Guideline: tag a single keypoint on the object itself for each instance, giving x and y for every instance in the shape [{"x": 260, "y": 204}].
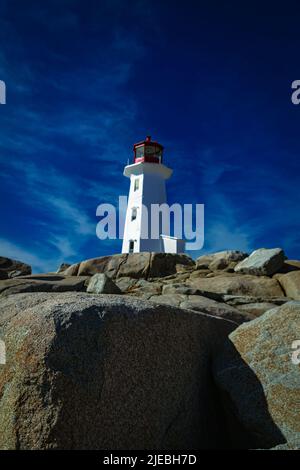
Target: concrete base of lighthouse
[{"x": 171, "y": 244}]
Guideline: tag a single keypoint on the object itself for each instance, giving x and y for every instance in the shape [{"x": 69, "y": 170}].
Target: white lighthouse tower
[{"x": 148, "y": 178}]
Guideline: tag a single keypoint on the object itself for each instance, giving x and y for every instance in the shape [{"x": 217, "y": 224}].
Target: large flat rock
[
  {"x": 43, "y": 283},
  {"x": 239, "y": 285},
  {"x": 108, "y": 372},
  {"x": 10, "y": 268},
  {"x": 290, "y": 283},
  {"x": 259, "y": 381},
  {"x": 262, "y": 262}
]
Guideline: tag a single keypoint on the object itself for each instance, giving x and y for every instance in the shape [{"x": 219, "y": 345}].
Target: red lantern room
[{"x": 147, "y": 151}]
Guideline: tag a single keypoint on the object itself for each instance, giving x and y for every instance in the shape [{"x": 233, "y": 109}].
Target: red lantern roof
[{"x": 147, "y": 151}]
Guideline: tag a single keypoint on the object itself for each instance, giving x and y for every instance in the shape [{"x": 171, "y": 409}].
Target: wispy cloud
[
  {"x": 63, "y": 219},
  {"x": 72, "y": 216},
  {"x": 37, "y": 262},
  {"x": 62, "y": 139},
  {"x": 63, "y": 245},
  {"x": 246, "y": 207}
]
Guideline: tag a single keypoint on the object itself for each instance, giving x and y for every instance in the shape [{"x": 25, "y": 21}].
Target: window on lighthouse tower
[
  {"x": 136, "y": 184},
  {"x": 133, "y": 213}
]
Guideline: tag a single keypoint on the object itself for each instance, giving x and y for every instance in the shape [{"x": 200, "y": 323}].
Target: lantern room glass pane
[
  {"x": 149, "y": 150},
  {"x": 139, "y": 152}
]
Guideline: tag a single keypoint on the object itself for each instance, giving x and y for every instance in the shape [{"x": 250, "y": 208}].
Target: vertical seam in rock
[
  {"x": 121, "y": 264},
  {"x": 148, "y": 269}
]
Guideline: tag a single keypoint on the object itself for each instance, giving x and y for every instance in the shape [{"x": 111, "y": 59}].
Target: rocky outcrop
[
  {"x": 289, "y": 265},
  {"x": 63, "y": 267},
  {"x": 204, "y": 305},
  {"x": 260, "y": 383},
  {"x": 290, "y": 284},
  {"x": 137, "y": 367},
  {"x": 105, "y": 264},
  {"x": 10, "y": 268},
  {"x": 165, "y": 264},
  {"x": 262, "y": 262},
  {"x": 71, "y": 270},
  {"x": 256, "y": 309},
  {"x": 145, "y": 289},
  {"x": 43, "y": 283},
  {"x": 238, "y": 300},
  {"x": 134, "y": 265},
  {"x": 102, "y": 284},
  {"x": 170, "y": 279},
  {"x": 239, "y": 285},
  {"x": 108, "y": 372},
  {"x": 220, "y": 260}
]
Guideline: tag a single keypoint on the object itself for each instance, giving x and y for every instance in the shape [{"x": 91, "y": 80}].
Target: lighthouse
[{"x": 148, "y": 177}]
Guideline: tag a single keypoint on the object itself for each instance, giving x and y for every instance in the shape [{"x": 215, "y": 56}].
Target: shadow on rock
[{"x": 249, "y": 422}]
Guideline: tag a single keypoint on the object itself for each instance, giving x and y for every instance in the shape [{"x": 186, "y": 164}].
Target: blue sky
[{"x": 85, "y": 80}]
